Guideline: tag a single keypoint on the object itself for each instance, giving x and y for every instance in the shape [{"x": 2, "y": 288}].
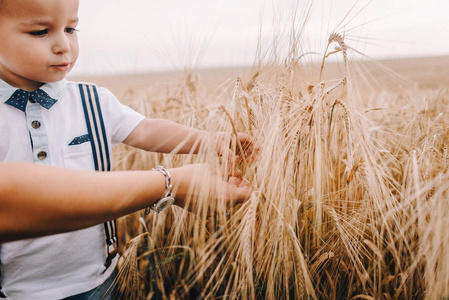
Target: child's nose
[{"x": 61, "y": 43}]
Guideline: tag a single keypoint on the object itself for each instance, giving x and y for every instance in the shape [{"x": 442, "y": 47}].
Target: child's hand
[
  {"x": 246, "y": 149},
  {"x": 195, "y": 183}
]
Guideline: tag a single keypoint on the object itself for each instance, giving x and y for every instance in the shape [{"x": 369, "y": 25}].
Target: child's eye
[
  {"x": 70, "y": 30},
  {"x": 39, "y": 32}
]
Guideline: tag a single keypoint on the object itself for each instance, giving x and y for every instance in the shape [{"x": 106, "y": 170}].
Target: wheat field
[{"x": 351, "y": 185}]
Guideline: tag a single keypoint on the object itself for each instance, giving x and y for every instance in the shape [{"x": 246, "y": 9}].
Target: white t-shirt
[{"x": 61, "y": 265}]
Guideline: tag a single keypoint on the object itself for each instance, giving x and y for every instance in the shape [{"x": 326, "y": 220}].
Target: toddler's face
[{"x": 38, "y": 41}]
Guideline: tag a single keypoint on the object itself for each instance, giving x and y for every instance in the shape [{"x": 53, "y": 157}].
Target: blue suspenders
[
  {"x": 100, "y": 151},
  {"x": 1, "y": 291}
]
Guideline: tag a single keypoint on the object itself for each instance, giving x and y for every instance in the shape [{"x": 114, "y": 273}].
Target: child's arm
[
  {"x": 166, "y": 136},
  {"x": 40, "y": 200},
  {"x": 160, "y": 135}
]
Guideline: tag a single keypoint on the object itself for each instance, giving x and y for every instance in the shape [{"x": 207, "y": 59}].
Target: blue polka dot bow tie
[{"x": 20, "y": 99}]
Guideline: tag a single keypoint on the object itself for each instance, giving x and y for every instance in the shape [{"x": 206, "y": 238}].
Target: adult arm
[{"x": 41, "y": 200}]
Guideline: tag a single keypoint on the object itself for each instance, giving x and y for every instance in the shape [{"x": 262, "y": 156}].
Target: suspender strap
[
  {"x": 95, "y": 127},
  {"x": 100, "y": 151},
  {"x": 1, "y": 292}
]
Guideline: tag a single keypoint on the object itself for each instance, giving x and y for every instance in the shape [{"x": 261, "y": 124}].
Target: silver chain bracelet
[{"x": 167, "y": 200}]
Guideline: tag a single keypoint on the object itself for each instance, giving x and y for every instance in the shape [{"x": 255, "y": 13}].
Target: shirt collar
[{"x": 53, "y": 89}]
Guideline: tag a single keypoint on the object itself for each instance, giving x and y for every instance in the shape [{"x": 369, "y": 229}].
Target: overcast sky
[{"x": 133, "y": 36}]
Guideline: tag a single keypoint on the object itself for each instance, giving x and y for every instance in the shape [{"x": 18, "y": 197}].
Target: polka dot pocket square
[{"x": 79, "y": 140}]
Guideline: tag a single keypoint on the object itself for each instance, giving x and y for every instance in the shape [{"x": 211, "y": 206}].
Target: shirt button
[
  {"x": 36, "y": 124},
  {"x": 32, "y": 100},
  {"x": 42, "y": 155}
]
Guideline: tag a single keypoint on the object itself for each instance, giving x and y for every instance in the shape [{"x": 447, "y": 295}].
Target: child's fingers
[
  {"x": 239, "y": 181},
  {"x": 249, "y": 145}
]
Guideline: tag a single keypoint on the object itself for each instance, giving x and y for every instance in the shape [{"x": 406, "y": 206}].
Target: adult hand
[{"x": 197, "y": 187}]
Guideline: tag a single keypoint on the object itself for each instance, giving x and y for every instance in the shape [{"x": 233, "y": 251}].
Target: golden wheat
[{"x": 350, "y": 192}]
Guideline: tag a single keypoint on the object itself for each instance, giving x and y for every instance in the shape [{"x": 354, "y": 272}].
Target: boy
[{"x": 42, "y": 121}]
